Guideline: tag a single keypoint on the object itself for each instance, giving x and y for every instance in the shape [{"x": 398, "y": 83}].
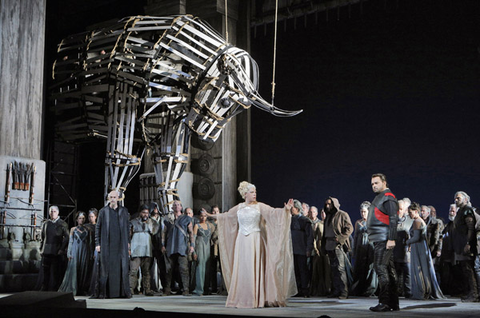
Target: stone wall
[{"x": 22, "y": 42}]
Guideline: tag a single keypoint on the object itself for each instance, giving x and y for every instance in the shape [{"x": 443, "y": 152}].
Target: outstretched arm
[
  {"x": 289, "y": 204},
  {"x": 209, "y": 215}
]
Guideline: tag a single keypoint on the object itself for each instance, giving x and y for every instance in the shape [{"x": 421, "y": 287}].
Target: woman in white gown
[{"x": 256, "y": 252}]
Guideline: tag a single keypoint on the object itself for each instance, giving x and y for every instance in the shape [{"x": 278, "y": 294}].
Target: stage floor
[{"x": 214, "y": 305}]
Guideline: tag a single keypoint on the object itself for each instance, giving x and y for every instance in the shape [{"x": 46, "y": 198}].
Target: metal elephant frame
[{"x": 149, "y": 82}]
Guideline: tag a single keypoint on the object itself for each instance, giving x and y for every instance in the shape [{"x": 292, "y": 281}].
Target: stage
[{"x": 214, "y": 306}]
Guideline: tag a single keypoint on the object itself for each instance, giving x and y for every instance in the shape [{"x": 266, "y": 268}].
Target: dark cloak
[
  {"x": 366, "y": 280},
  {"x": 112, "y": 235}
]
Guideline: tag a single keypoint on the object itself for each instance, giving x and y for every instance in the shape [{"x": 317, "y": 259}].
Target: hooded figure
[
  {"x": 341, "y": 224},
  {"x": 336, "y": 242}
]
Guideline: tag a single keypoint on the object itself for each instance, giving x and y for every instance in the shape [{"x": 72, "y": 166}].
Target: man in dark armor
[{"x": 382, "y": 232}]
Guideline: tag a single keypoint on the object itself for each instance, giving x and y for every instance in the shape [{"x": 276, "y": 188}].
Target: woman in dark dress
[
  {"x": 365, "y": 278},
  {"x": 77, "y": 278},
  {"x": 93, "y": 264},
  {"x": 423, "y": 278}
]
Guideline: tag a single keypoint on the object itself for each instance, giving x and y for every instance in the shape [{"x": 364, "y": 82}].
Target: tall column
[
  {"x": 22, "y": 44},
  {"x": 22, "y": 172}
]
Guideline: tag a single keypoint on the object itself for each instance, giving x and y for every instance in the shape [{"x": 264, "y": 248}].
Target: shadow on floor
[{"x": 427, "y": 306}]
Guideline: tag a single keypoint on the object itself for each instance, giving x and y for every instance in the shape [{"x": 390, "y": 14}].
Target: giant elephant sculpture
[{"x": 150, "y": 82}]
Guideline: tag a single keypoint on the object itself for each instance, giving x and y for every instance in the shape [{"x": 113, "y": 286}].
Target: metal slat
[
  {"x": 170, "y": 49},
  {"x": 144, "y": 66}
]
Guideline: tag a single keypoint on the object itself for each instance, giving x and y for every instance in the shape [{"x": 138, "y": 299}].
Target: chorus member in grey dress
[
  {"x": 77, "y": 279},
  {"x": 422, "y": 273},
  {"x": 203, "y": 231}
]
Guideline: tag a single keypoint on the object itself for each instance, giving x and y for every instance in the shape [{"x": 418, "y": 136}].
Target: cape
[
  {"x": 275, "y": 231},
  {"x": 102, "y": 237}
]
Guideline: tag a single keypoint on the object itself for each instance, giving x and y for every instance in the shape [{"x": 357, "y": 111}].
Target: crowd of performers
[
  {"x": 110, "y": 253},
  {"x": 167, "y": 254}
]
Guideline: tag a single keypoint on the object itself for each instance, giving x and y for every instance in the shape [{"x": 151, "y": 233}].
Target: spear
[
  {"x": 28, "y": 172},
  {"x": 32, "y": 183},
  {"x": 3, "y": 220},
  {"x": 22, "y": 176},
  {"x": 8, "y": 185},
  {"x": 15, "y": 176}
]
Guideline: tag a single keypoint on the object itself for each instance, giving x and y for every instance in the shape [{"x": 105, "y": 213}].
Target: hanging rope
[
  {"x": 226, "y": 20},
  {"x": 274, "y": 52}
]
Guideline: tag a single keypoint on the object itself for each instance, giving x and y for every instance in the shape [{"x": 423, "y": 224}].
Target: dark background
[{"x": 393, "y": 90}]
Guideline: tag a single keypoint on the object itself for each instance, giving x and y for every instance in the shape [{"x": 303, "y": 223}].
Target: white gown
[{"x": 256, "y": 255}]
